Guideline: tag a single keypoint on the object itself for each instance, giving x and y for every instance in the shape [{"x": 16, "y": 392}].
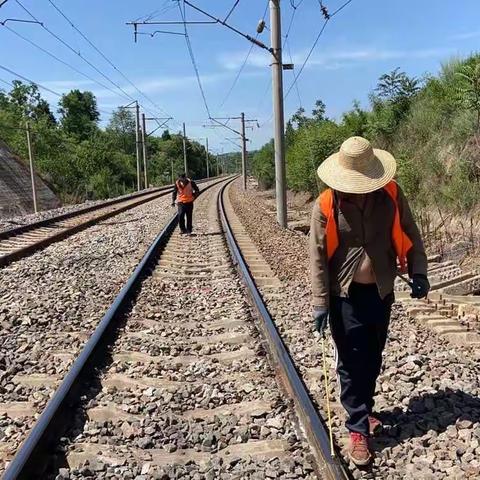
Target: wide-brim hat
[{"x": 358, "y": 167}]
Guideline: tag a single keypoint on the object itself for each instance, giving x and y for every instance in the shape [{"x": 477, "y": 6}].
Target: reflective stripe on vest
[
  {"x": 401, "y": 242},
  {"x": 185, "y": 194}
]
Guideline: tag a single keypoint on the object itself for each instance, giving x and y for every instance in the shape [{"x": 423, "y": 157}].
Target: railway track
[
  {"x": 175, "y": 383},
  {"x": 428, "y": 390},
  {"x": 23, "y": 240},
  {"x": 184, "y": 386}
]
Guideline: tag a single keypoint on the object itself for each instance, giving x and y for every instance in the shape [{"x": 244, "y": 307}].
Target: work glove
[
  {"x": 420, "y": 286},
  {"x": 320, "y": 317}
]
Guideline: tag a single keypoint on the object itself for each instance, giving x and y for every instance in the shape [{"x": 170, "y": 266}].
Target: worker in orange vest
[
  {"x": 362, "y": 231},
  {"x": 185, "y": 192}
]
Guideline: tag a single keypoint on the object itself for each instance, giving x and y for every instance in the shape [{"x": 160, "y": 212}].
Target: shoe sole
[{"x": 360, "y": 463}]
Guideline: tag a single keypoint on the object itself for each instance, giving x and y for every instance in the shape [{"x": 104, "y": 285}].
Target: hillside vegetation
[
  {"x": 431, "y": 125},
  {"x": 81, "y": 160}
]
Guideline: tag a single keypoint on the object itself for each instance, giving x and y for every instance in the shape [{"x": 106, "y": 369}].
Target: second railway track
[
  {"x": 21, "y": 241},
  {"x": 185, "y": 389}
]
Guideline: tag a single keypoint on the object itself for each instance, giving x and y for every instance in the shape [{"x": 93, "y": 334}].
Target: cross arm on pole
[
  {"x": 224, "y": 125},
  {"x": 161, "y": 31},
  {"x": 225, "y": 24},
  {"x": 18, "y": 20},
  {"x": 160, "y": 125}
]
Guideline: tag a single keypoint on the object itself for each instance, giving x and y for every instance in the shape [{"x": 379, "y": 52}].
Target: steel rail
[
  {"x": 65, "y": 216},
  {"x": 314, "y": 427},
  {"x": 52, "y": 423},
  {"x": 23, "y": 251}
]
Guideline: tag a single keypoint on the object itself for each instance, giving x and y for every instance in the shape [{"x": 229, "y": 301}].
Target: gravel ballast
[
  {"x": 51, "y": 301},
  {"x": 189, "y": 393},
  {"x": 428, "y": 392}
]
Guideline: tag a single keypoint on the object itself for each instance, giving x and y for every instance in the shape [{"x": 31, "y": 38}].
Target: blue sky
[{"x": 368, "y": 38}]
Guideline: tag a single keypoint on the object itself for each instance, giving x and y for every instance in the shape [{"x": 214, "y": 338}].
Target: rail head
[
  {"x": 74, "y": 213},
  {"x": 51, "y": 424},
  {"x": 314, "y": 428}
]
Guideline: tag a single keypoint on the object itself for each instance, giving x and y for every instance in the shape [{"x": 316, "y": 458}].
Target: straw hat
[{"x": 357, "y": 167}]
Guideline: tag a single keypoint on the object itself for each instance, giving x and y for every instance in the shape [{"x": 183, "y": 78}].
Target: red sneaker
[
  {"x": 359, "y": 452},
  {"x": 375, "y": 426}
]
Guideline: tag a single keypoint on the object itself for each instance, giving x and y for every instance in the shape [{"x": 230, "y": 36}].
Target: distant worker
[
  {"x": 361, "y": 227},
  {"x": 185, "y": 191}
]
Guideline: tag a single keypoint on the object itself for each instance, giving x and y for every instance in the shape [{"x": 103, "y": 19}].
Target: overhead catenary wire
[
  {"x": 50, "y": 54},
  {"x": 192, "y": 58},
  {"x": 123, "y": 93},
  {"x": 244, "y": 64},
  {"x": 285, "y": 43},
  {"x": 232, "y": 10},
  {"x": 328, "y": 17},
  {"x": 167, "y": 6},
  {"x": 15, "y": 74},
  {"x": 10, "y": 84},
  {"x": 100, "y": 52},
  {"x": 39, "y": 85}
]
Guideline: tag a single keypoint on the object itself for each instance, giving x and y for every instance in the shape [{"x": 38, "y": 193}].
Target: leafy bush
[
  {"x": 81, "y": 160},
  {"x": 430, "y": 125}
]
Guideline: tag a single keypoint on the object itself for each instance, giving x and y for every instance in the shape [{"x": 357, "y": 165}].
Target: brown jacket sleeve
[
  {"x": 318, "y": 259},
  {"x": 417, "y": 258}
]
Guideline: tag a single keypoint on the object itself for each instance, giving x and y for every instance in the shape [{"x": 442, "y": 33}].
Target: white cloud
[
  {"x": 149, "y": 86},
  {"x": 465, "y": 35},
  {"x": 334, "y": 59},
  {"x": 67, "y": 84}
]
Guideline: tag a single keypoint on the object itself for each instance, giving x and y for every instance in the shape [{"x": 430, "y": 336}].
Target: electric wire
[
  {"x": 285, "y": 43},
  {"x": 31, "y": 42},
  {"x": 15, "y": 74},
  {"x": 123, "y": 94},
  {"x": 232, "y": 10},
  {"x": 192, "y": 58},
  {"x": 107, "y": 59},
  {"x": 244, "y": 64},
  {"x": 320, "y": 33},
  {"x": 10, "y": 84},
  {"x": 43, "y": 87},
  {"x": 322, "y": 29}
]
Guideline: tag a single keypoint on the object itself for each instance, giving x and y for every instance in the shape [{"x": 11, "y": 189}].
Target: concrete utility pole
[
  {"x": 244, "y": 153},
  {"x": 277, "y": 87},
  {"x": 32, "y": 172},
  {"x": 144, "y": 148},
  {"x": 206, "y": 148},
  {"x": 185, "y": 150},
  {"x": 137, "y": 140}
]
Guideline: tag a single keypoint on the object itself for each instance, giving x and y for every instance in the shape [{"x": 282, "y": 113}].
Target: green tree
[
  {"x": 121, "y": 128},
  {"x": 263, "y": 165},
  {"x": 79, "y": 113},
  {"x": 319, "y": 111},
  {"x": 469, "y": 89},
  {"x": 166, "y": 135},
  {"x": 355, "y": 121}
]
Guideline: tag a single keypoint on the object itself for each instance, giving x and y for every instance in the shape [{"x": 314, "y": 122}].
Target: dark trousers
[
  {"x": 359, "y": 325},
  {"x": 185, "y": 210}
]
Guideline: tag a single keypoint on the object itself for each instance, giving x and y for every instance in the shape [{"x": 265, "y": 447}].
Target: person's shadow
[{"x": 431, "y": 411}]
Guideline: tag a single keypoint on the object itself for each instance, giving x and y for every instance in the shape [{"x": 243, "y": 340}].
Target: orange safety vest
[
  {"x": 185, "y": 193},
  {"x": 400, "y": 240}
]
